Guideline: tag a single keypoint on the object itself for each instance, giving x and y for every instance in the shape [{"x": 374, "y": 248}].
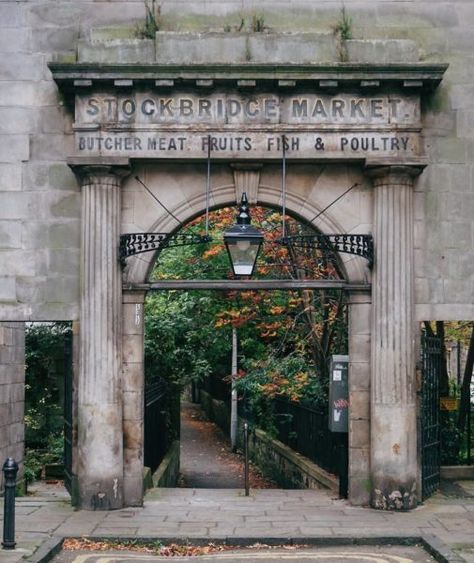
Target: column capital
[
  {"x": 394, "y": 174},
  {"x": 98, "y": 170}
]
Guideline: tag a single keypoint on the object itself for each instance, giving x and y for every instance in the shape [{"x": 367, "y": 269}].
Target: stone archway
[
  {"x": 391, "y": 316},
  {"x": 334, "y": 220},
  {"x": 375, "y": 132}
]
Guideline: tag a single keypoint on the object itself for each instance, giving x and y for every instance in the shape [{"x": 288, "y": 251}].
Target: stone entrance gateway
[{"x": 341, "y": 124}]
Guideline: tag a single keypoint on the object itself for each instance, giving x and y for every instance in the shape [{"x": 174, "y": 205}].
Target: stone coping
[
  {"x": 457, "y": 472},
  {"x": 299, "y": 461}
]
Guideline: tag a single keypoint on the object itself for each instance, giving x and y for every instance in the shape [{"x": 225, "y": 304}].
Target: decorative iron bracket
[
  {"x": 137, "y": 243},
  {"x": 360, "y": 245}
]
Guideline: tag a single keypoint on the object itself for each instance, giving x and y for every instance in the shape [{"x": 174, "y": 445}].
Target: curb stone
[
  {"x": 46, "y": 551},
  {"x": 432, "y": 544}
]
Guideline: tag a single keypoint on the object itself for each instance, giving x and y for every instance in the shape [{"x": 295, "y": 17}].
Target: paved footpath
[
  {"x": 212, "y": 514},
  {"x": 206, "y": 459}
]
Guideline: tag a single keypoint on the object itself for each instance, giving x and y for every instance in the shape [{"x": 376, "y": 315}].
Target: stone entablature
[{"x": 250, "y": 111}]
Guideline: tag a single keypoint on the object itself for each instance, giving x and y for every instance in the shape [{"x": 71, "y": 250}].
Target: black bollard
[
  {"x": 246, "y": 458},
  {"x": 10, "y": 470}
]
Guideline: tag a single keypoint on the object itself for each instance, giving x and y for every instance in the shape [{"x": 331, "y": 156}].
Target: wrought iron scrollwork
[
  {"x": 360, "y": 245},
  {"x": 137, "y": 243}
]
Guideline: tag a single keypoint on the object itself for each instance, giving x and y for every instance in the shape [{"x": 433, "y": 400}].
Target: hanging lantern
[{"x": 243, "y": 242}]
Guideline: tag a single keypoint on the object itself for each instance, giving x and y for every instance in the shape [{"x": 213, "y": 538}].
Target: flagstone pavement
[{"x": 217, "y": 514}]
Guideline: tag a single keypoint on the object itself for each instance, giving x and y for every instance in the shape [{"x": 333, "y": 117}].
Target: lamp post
[{"x": 243, "y": 242}]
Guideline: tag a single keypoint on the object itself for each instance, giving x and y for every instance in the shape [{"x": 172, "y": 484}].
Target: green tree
[
  {"x": 277, "y": 330},
  {"x": 44, "y": 372}
]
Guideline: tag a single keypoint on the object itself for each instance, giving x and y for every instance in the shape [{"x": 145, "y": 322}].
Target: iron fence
[
  {"x": 431, "y": 359},
  {"x": 457, "y": 446},
  {"x": 306, "y": 431},
  {"x": 157, "y": 439},
  {"x": 217, "y": 386}
]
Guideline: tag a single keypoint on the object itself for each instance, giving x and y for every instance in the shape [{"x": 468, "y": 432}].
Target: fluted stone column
[
  {"x": 100, "y": 441},
  {"x": 393, "y": 399},
  {"x": 133, "y": 383}
]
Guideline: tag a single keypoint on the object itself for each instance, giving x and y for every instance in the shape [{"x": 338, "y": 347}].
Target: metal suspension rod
[
  {"x": 283, "y": 187},
  {"x": 208, "y": 182},
  {"x": 335, "y": 201},
  {"x": 157, "y": 200}
]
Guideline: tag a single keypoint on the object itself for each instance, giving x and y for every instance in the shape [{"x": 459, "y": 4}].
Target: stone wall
[
  {"x": 288, "y": 468},
  {"x": 12, "y": 392},
  {"x": 39, "y": 196}
]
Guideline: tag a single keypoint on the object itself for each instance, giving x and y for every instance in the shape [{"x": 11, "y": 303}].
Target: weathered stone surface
[
  {"x": 100, "y": 432},
  {"x": 123, "y": 50},
  {"x": 298, "y": 48},
  {"x": 381, "y": 51},
  {"x": 185, "y": 48},
  {"x": 13, "y": 40},
  {"x": 10, "y": 177},
  {"x": 10, "y": 234},
  {"x": 14, "y": 93},
  {"x": 24, "y": 67},
  {"x": 7, "y": 289},
  {"x": 393, "y": 402},
  {"x": 47, "y": 39},
  {"x": 11, "y": 14},
  {"x": 52, "y": 146},
  {"x": 133, "y": 378},
  {"x": 14, "y": 148},
  {"x": 12, "y": 385}
]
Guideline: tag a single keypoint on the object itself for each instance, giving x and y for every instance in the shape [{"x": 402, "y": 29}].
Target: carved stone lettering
[
  {"x": 254, "y": 126},
  {"x": 221, "y": 109},
  {"x": 252, "y": 145}
]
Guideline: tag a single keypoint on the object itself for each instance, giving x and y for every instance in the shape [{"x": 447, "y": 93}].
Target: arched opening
[
  {"x": 310, "y": 189},
  {"x": 286, "y": 339}
]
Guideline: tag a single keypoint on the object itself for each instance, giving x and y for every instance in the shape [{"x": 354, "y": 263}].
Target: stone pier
[
  {"x": 133, "y": 385},
  {"x": 359, "y": 396},
  {"x": 393, "y": 390},
  {"x": 100, "y": 434}
]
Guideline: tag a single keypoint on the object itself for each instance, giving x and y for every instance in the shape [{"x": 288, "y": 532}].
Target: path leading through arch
[{"x": 207, "y": 461}]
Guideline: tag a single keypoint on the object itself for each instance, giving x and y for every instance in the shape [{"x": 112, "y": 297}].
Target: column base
[
  {"x": 102, "y": 495},
  {"x": 391, "y": 495}
]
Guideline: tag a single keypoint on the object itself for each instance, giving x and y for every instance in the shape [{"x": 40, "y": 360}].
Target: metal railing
[
  {"x": 156, "y": 423},
  {"x": 306, "y": 431}
]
